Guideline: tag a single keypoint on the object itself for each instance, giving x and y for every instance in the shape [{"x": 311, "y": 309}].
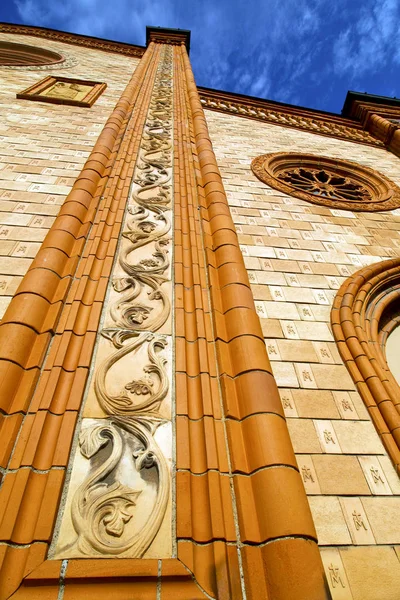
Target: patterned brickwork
[
  {"x": 297, "y": 256},
  {"x": 44, "y": 147}
]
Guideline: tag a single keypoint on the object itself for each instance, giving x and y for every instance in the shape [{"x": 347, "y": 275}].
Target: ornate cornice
[
  {"x": 172, "y": 37},
  {"x": 286, "y": 116},
  {"x": 74, "y": 38}
]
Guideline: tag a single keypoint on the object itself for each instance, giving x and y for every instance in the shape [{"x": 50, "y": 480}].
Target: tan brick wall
[
  {"x": 43, "y": 147},
  {"x": 297, "y": 256}
]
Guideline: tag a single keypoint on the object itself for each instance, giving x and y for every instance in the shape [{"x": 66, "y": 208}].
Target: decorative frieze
[
  {"x": 263, "y": 110},
  {"x": 119, "y": 496}
]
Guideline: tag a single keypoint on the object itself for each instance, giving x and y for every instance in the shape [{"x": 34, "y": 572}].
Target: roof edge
[
  {"x": 282, "y": 106},
  {"x": 323, "y": 113},
  {"x": 73, "y": 38},
  {"x": 366, "y": 98}
]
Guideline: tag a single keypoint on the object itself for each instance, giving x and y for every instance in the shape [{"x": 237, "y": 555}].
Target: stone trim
[
  {"x": 383, "y": 194},
  {"x": 361, "y": 319},
  {"x": 75, "y": 39},
  {"x": 34, "y": 92},
  {"x": 171, "y": 37},
  {"x": 286, "y": 116}
]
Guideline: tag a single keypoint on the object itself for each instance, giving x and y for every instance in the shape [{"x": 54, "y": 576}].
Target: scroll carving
[
  {"x": 120, "y": 504},
  {"x": 264, "y": 112},
  {"x": 149, "y": 223},
  {"x": 102, "y": 507}
]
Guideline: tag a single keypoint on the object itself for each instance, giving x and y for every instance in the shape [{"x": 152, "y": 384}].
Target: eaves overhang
[{"x": 365, "y": 98}]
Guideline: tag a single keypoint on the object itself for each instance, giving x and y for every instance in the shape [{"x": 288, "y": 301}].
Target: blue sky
[{"x": 304, "y": 52}]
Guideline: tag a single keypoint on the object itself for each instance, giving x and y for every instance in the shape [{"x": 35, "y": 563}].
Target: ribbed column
[
  {"x": 60, "y": 301},
  {"x": 275, "y": 536}
]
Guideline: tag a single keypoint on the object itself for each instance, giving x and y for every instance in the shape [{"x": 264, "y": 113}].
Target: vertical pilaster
[
  {"x": 274, "y": 534},
  {"x": 60, "y": 301},
  {"x": 119, "y": 494}
]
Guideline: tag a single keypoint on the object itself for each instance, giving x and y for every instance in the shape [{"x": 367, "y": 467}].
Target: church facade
[{"x": 198, "y": 342}]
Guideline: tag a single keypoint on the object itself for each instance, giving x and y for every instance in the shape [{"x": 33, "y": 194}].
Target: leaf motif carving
[
  {"x": 92, "y": 439},
  {"x": 118, "y": 511}
]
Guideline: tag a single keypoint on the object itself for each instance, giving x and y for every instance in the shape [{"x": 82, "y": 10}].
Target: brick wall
[
  {"x": 43, "y": 147},
  {"x": 297, "y": 256}
]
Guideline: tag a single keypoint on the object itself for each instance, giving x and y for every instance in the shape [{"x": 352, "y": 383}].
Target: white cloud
[{"x": 291, "y": 50}]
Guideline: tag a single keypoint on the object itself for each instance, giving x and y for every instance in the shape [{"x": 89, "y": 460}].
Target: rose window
[
  {"x": 321, "y": 183},
  {"x": 329, "y": 182}
]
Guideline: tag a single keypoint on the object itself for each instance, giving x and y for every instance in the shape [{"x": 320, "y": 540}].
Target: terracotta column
[
  {"x": 59, "y": 301},
  {"x": 276, "y": 537}
]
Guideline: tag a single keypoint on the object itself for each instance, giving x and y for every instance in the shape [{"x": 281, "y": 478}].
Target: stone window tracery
[
  {"x": 18, "y": 55},
  {"x": 14, "y": 56},
  {"x": 329, "y": 182}
]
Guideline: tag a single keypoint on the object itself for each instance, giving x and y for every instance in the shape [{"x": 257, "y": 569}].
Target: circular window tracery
[
  {"x": 328, "y": 182},
  {"x": 15, "y": 56},
  {"x": 18, "y": 55}
]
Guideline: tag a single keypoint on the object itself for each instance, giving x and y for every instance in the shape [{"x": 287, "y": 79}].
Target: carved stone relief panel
[
  {"x": 64, "y": 90},
  {"x": 118, "y": 502}
]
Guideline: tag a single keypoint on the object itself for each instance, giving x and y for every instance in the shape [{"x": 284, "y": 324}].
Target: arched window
[{"x": 365, "y": 312}]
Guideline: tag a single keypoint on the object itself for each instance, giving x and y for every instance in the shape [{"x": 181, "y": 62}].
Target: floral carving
[
  {"x": 122, "y": 403},
  {"x": 102, "y": 506},
  {"x": 328, "y": 182},
  {"x": 149, "y": 223},
  {"x": 105, "y": 506}
]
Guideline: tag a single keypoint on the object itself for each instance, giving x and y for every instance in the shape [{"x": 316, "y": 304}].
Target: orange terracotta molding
[
  {"x": 275, "y": 533},
  {"x": 74, "y": 38},
  {"x": 381, "y": 120},
  {"x": 31, "y": 318},
  {"x": 60, "y": 299},
  {"x": 205, "y": 526},
  {"x": 386, "y": 130},
  {"x": 363, "y": 314},
  {"x": 43, "y": 442}
]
